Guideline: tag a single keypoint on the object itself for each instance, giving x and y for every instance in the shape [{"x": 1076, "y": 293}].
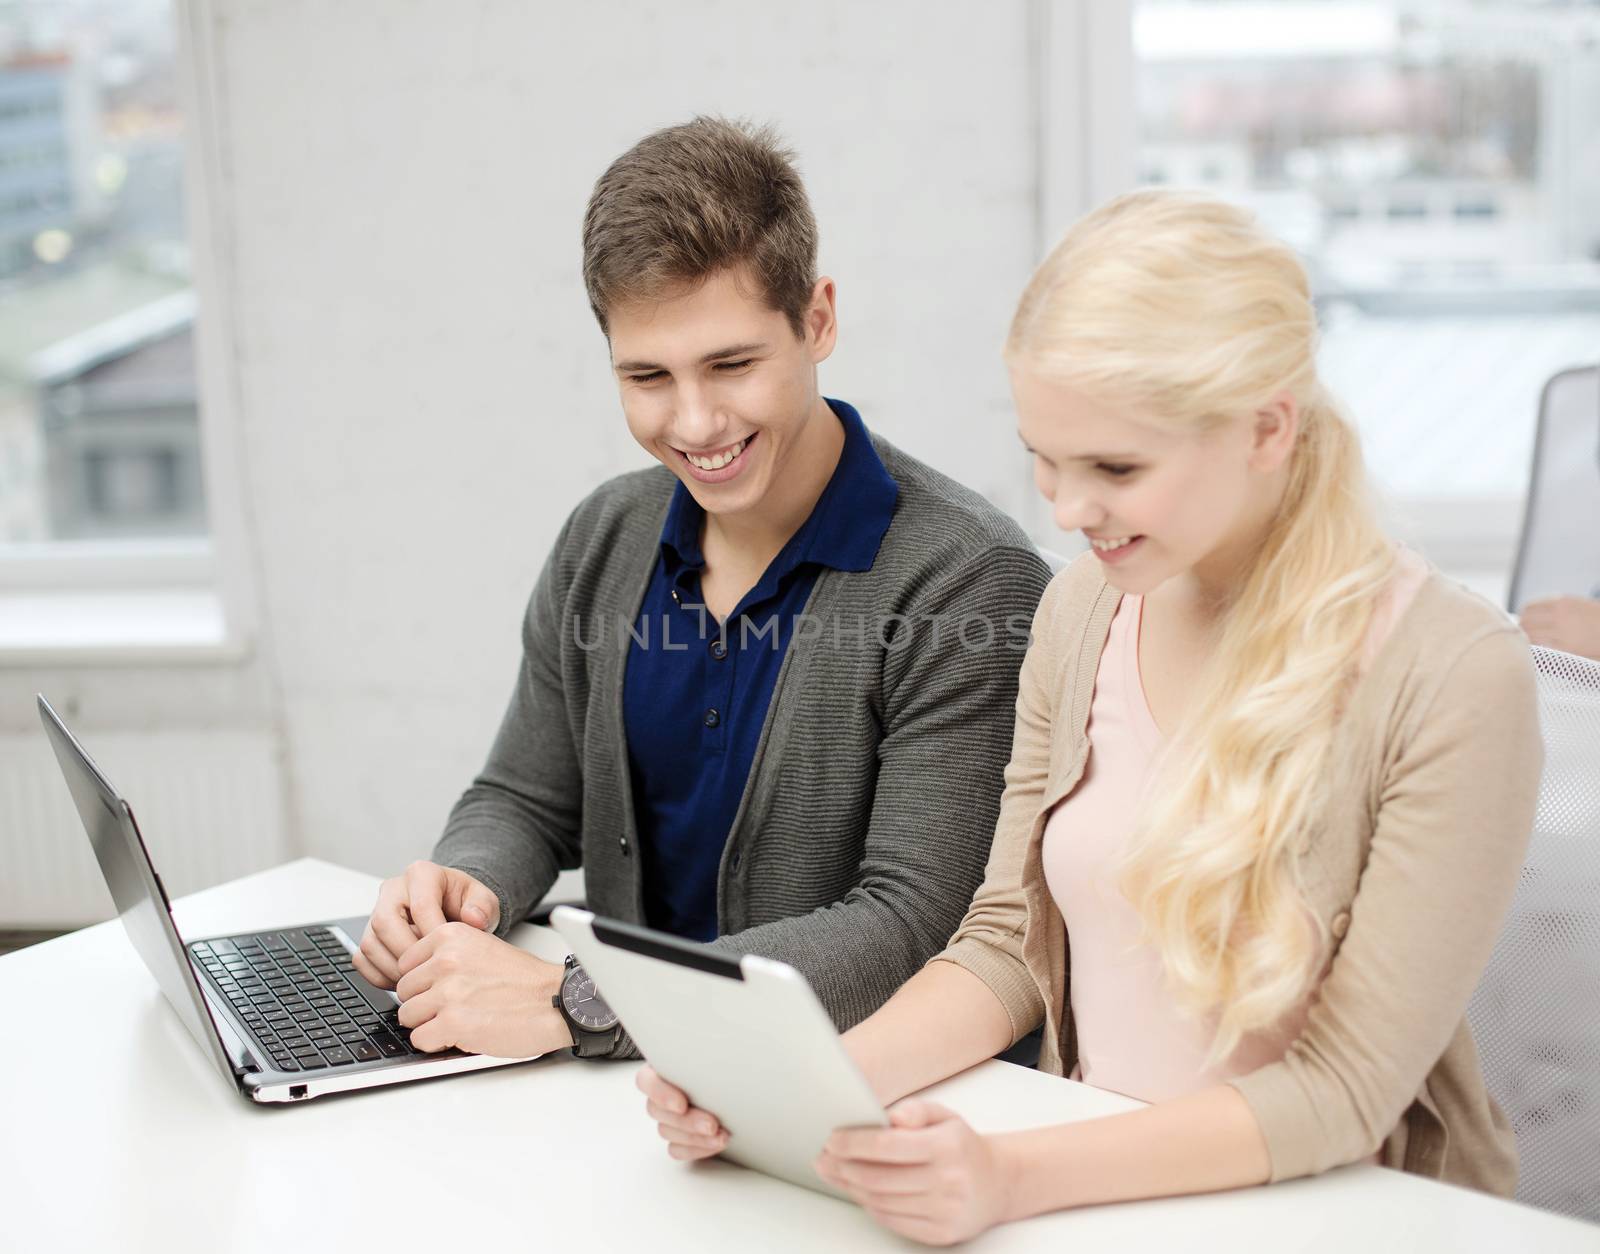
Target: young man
[{"x": 767, "y": 687}]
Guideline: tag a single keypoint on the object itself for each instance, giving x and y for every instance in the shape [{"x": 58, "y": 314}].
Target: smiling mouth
[
  {"x": 1111, "y": 546},
  {"x": 718, "y": 459}
]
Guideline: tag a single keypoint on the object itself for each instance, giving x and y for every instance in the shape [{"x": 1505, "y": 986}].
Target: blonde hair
[{"x": 1185, "y": 307}]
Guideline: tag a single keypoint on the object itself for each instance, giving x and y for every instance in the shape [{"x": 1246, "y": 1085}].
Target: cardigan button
[{"x": 1340, "y": 924}]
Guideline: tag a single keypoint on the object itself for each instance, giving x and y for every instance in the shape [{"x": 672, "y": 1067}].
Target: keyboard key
[
  {"x": 365, "y": 1052},
  {"x": 338, "y": 1055},
  {"x": 285, "y": 1062},
  {"x": 388, "y": 1046}
]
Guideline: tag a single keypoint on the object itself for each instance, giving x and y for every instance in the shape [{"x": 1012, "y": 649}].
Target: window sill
[{"x": 114, "y": 627}]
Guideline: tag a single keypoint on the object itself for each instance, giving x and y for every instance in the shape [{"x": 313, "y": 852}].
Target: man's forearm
[{"x": 942, "y": 1021}]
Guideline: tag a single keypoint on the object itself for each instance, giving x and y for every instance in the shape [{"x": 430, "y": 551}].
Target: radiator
[{"x": 210, "y": 805}]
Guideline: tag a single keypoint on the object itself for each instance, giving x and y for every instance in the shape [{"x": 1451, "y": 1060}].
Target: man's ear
[
  {"x": 821, "y": 320},
  {"x": 1277, "y": 425}
]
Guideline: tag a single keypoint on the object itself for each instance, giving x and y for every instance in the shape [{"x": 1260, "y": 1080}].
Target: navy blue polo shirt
[{"x": 695, "y": 694}]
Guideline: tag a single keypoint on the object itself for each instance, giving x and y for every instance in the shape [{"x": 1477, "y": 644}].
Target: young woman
[{"x": 1271, "y": 784}]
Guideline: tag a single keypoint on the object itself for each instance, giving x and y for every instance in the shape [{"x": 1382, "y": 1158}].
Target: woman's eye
[{"x": 1117, "y": 471}]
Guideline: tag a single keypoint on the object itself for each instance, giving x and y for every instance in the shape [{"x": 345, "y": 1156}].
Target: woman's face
[{"x": 1154, "y": 503}]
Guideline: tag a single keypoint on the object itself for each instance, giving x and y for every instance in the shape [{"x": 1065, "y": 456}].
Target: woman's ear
[{"x": 1277, "y": 425}]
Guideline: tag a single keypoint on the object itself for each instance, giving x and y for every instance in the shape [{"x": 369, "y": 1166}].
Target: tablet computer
[{"x": 744, "y": 1037}]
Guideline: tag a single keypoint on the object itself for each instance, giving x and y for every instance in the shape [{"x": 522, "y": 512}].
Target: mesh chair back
[
  {"x": 1559, "y": 553},
  {"x": 1536, "y": 1013}
]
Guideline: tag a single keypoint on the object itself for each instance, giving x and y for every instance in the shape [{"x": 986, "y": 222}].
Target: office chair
[
  {"x": 1559, "y": 552},
  {"x": 1536, "y": 1012}
]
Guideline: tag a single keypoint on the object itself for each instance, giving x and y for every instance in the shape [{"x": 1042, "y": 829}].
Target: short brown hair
[{"x": 689, "y": 201}]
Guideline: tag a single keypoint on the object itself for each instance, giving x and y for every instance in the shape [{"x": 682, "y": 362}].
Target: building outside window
[
  {"x": 1437, "y": 164},
  {"x": 99, "y": 431}
]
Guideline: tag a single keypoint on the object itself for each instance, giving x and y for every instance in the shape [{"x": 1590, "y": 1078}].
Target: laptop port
[{"x": 296, "y": 1092}]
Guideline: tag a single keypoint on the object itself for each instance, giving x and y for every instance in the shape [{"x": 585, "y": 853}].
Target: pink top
[{"x": 1132, "y": 1037}]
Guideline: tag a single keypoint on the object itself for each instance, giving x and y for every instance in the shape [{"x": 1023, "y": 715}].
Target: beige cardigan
[{"x": 1412, "y": 875}]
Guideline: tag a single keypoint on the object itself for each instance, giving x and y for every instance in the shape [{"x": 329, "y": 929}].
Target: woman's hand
[
  {"x": 689, "y": 1132},
  {"x": 1571, "y": 624},
  {"x": 928, "y": 1176}
]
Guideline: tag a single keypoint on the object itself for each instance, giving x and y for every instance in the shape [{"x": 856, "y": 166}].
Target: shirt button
[
  {"x": 719, "y": 648},
  {"x": 1340, "y": 924},
  {"x": 622, "y": 843},
  {"x": 712, "y": 718},
  {"x": 735, "y": 860},
  {"x": 676, "y": 599}
]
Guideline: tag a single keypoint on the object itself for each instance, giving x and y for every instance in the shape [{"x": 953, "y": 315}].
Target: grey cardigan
[{"x": 871, "y": 803}]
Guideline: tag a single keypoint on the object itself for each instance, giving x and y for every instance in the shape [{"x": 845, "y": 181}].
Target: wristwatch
[{"x": 593, "y": 1024}]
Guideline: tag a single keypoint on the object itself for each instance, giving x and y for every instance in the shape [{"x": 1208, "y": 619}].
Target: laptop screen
[{"x": 140, "y": 898}]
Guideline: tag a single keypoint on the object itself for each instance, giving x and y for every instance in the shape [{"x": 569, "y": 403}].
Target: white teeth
[
  {"x": 1105, "y": 546},
  {"x": 721, "y": 459}
]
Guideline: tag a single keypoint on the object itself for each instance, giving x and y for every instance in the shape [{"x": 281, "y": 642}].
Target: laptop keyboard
[{"x": 292, "y": 990}]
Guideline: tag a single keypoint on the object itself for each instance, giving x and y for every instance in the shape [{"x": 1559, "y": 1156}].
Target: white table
[{"x": 116, "y": 1134}]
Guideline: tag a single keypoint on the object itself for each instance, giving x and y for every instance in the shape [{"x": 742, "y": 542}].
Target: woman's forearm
[
  {"x": 943, "y": 1020},
  {"x": 1201, "y": 1143}
]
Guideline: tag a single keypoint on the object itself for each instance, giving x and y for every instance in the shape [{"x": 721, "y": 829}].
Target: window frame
[{"x": 219, "y": 565}]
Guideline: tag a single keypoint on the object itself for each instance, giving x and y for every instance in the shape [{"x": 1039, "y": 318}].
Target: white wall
[{"x": 421, "y": 393}]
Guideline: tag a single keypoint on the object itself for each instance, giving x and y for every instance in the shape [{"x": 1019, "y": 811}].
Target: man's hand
[
  {"x": 464, "y": 988},
  {"x": 413, "y": 904},
  {"x": 1571, "y": 624}
]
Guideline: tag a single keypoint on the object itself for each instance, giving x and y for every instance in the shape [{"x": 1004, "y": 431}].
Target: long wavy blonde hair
[{"x": 1185, "y": 307}]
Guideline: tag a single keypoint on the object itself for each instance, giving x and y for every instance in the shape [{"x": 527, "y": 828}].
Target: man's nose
[{"x": 697, "y": 423}]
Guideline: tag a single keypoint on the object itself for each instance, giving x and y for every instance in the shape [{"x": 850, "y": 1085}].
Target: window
[
  {"x": 98, "y": 412},
  {"x": 1435, "y": 162}
]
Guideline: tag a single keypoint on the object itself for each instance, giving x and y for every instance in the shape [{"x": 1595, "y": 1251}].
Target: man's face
[{"x": 718, "y": 387}]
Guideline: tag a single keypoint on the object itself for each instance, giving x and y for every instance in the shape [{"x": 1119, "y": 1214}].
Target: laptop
[{"x": 281, "y": 1014}]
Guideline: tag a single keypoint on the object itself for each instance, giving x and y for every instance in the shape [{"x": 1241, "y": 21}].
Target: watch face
[{"x": 587, "y": 1008}]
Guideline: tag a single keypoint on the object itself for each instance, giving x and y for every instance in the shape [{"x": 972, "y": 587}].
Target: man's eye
[
  {"x": 651, "y": 377},
  {"x": 1117, "y": 470},
  {"x": 733, "y": 365}
]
